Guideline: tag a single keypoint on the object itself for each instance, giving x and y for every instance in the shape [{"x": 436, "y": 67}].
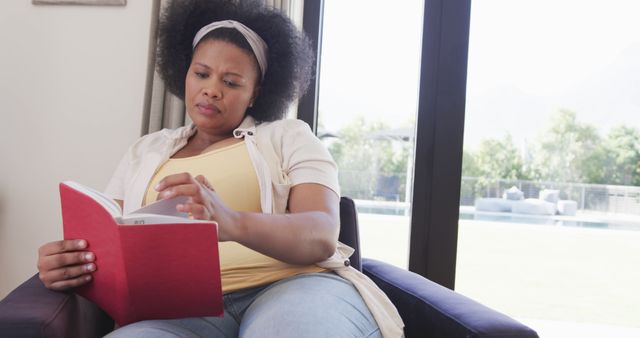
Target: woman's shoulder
[{"x": 283, "y": 127}]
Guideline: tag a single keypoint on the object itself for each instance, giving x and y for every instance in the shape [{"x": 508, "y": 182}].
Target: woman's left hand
[{"x": 203, "y": 202}]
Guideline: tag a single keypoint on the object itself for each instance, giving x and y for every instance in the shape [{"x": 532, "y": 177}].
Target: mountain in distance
[{"x": 607, "y": 97}]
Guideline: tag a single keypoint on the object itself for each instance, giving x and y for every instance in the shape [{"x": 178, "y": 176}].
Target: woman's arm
[{"x": 308, "y": 234}]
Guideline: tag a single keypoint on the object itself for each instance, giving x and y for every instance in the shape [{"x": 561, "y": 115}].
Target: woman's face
[{"x": 221, "y": 83}]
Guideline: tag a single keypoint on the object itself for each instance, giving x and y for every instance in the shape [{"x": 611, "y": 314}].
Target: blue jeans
[{"x": 310, "y": 305}]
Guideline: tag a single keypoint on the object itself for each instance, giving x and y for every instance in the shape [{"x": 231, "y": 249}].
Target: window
[
  {"x": 438, "y": 151},
  {"x": 550, "y": 207},
  {"x": 368, "y": 94}
]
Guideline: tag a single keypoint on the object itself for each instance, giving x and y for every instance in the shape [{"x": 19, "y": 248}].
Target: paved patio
[{"x": 556, "y": 329}]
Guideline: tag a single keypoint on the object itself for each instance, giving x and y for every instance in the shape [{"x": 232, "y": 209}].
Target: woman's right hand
[{"x": 65, "y": 264}]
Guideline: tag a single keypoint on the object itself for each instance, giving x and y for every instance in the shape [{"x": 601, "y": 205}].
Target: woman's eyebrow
[
  {"x": 202, "y": 65},
  {"x": 232, "y": 73}
]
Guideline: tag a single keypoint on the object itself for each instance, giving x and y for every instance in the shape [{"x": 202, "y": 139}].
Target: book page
[
  {"x": 139, "y": 219},
  {"x": 164, "y": 207},
  {"x": 159, "y": 212},
  {"x": 107, "y": 203}
]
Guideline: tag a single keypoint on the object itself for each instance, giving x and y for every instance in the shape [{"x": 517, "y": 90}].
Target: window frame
[{"x": 439, "y": 131}]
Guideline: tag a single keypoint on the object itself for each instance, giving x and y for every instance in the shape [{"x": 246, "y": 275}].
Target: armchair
[{"x": 428, "y": 309}]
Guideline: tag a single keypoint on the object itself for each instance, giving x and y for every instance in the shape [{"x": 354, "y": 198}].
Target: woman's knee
[
  {"x": 183, "y": 328},
  {"x": 314, "y": 305}
]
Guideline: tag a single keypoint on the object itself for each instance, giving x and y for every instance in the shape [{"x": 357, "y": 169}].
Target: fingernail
[
  {"x": 157, "y": 187},
  {"x": 82, "y": 244},
  {"x": 90, "y": 267},
  {"x": 87, "y": 278},
  {"x": 88, "y": 256}
]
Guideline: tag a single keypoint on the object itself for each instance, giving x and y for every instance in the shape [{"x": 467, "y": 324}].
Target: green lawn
[{"x": 532, "y": 271}]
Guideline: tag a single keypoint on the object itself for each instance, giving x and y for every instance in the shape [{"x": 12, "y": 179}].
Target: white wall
[{"x": 72, "y": 83}]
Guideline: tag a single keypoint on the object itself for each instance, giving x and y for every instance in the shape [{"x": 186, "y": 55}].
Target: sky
[
  {"x": 370, "y": 66},
  {"x": 547, "y": 55},
  {"x": 527, "y": 59}
]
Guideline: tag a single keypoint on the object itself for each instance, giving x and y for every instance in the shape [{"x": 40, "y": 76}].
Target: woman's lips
[{"x": 207, "y": 109}]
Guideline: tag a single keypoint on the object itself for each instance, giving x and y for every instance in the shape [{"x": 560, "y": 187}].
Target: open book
[{"x": 154, "y": 263}]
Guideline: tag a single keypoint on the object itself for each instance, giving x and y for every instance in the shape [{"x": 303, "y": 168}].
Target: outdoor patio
[{"x": 563, "y": 281}]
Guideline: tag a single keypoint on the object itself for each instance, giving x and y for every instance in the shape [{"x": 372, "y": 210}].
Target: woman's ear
[{"x": 256, "y": 92}]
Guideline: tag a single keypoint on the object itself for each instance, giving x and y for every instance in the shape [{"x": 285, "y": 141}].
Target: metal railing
[
  {"x": 594, "y": 197},
  {"x": 384, "y": 196}
]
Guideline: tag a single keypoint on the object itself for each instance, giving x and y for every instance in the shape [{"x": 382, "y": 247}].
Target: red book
[{"x": 149, "y": 265}]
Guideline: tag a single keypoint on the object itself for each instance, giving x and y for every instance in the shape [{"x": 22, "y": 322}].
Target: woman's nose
[{"x": 213, "y": 90}]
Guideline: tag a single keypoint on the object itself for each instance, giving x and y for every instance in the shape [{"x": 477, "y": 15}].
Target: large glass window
[
  {"x": 549, "y": 228},
  {"x": 369, "y": 78}
]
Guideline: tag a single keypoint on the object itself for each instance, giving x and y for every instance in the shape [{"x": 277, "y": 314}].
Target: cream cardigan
[{"x": 284, "y": 153}]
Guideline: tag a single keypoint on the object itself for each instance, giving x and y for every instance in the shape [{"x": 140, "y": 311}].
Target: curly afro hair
[{"x": 289, "y": 55}]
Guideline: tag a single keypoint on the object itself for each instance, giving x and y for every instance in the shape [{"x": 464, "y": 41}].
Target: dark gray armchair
[{"x": 428, "y": 309}]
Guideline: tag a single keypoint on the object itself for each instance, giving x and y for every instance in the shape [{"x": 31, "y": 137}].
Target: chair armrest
[
  {"x": 32, "y": 310},
  {"x": 431, "y": 310}
]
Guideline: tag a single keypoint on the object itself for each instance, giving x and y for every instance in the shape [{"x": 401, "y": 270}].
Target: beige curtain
[
  {"x": 292, "y": 8},
  {"x": 163, "y": 109}
]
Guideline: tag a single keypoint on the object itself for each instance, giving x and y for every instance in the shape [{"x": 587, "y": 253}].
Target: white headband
[{"x": 258, "y": 45}]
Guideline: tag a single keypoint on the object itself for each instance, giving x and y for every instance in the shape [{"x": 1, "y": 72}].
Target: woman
[{"x": 269, "y": 183}]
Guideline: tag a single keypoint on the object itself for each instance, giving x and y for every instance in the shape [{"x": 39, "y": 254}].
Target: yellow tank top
[{"x": 232, "y": 175}]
